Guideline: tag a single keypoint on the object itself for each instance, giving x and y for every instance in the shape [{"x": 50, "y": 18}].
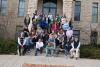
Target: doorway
[{"x": 49, "y": 6}]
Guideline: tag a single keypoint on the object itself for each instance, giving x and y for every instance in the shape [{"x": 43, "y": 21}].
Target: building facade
[{"x": 85, "y": 15}]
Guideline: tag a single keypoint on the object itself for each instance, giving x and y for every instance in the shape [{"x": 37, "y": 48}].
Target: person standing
[
  {"x": 27, "y": 20},
  {"x": 50, "y": 20}
]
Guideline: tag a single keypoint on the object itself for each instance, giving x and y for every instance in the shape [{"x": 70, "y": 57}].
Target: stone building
[{"x": 85, "y": 16}]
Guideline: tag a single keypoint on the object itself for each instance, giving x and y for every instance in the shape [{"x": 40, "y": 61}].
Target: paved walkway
[{"x": 18, "y": 61}]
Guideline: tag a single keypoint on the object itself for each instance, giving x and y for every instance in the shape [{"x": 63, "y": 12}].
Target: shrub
[
  {"x": 8, "y": 47},
  {"x": 90, "y": 51}
]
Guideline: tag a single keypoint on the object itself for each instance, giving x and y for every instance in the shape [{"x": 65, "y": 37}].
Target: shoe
[
  {"x": 71, "y": 57},
  {"x": 76, "y": 58}
]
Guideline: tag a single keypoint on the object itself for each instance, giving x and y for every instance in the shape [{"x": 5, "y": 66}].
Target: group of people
[{"x": 50, "y": 34}]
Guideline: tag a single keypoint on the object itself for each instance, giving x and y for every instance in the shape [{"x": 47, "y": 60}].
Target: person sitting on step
[
  {"x": 39, "y": 47},
  {"x": 51, "y": 45},
  {"x": 75, "y": 48},
  {"x": 20, "y": 44}
]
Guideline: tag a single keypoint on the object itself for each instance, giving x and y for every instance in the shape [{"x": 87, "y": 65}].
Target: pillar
[
  {"x": 67, "y": 8},
  {"x": 32, "y": 6}
]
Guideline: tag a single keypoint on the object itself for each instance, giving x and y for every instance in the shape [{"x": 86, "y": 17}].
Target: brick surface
[{"x": 40, "y": 65}]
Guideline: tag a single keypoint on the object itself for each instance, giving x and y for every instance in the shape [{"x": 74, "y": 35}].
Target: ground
[{"x": 18, "y": 61}]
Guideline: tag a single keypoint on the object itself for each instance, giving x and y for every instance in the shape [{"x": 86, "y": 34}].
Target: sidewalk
[{"x": 18, "y": 61}]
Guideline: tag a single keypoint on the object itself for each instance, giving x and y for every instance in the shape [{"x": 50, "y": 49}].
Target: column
[
  {"x": 67, "y": 8},
  {"x": 32, "y": 6}
]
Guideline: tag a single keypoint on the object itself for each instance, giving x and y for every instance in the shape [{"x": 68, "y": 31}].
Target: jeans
[
  {"x": 49, "y": 51},
  {"x": 20, "y": 50},
  {"x": 38, "y": 50}
]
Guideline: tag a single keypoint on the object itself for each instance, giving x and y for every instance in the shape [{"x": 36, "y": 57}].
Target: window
[
  {"x": 2, "y": 31},
  {"x": 21, "y": 8},
  {"x": 94, "y": 35},
  {"x": 76, "y": 33},
  {"x": 19, "y": 29},
  {"x": 77, "y": 11},
  {"x": 50, "y": 6},
  {"x": 95, "y": 12},
  {"x": 3, "y": 7}
]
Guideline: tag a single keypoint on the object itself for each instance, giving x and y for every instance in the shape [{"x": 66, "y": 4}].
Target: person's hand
[{"x": 22, "y": 46}]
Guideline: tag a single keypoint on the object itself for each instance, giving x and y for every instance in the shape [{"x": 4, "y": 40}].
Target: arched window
[{"x": 50, "y": 6}]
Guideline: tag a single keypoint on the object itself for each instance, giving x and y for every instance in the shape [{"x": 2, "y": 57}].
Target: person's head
[
  {"x": 39, "y": 40},
  {"x": 54, "y": 21},
  {"x": 21, "y": 35},
  {"x": 76, "y": 39},
  {"x": 30, "y": 35},
  {"x": 54, "y": 35},
  {"x": 35, "y": 11},
  {"x": 66, "y": 19},
  {"x": 33, "y": 33},
  {"x": 26, "y": 35},
  {"x": 64, "y": 15},
  {"x": 51, "y": 35},
  {"x": 60, "y": 30},
  {"x": 57, "y": 14},
  {"x": 27, "y": 15},
  {"x": 38, "y": 27},
  {"x": 25, "y": 29},
  {"x": 33, "y": 14},
  {"x": 72, "y": 39},
  {"x": 41, "y": 13},
  {"x": 49, "y": 13}
]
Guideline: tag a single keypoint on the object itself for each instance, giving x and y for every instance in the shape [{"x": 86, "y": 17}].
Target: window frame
[
  {"x": 94, "y": 34},
  {"x": 19, "y": 29},
  {"x": 76, "y": 35},
  {"x": 49, "y": 7},
  {"x": 95, "y": 14},
  {"x": 3, "y": 8},
  {"x": 19, "y": 8},
  {"x": 76, "y": 11}
]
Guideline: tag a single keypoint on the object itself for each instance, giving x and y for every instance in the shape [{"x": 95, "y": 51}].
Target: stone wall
[
  {"x": 67, "y": 8},
  {"x": 85, "y": 25},
  {"x": 60, "y": 7}
]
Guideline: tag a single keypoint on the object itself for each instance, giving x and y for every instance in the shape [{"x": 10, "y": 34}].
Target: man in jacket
[{"x": 75, "y": 48}]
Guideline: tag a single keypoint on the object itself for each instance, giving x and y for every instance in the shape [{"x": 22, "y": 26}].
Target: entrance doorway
[
  {"x": 49, "y": 6},
  {"x": 94, "y": 37}
]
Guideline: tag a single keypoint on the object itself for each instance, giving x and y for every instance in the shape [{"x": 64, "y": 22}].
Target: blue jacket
[
  {"x": 65, "y": 26},
  {"x": 43, "y": 23},
  {"x": 27, "y": 41},
  {"x": 51, "y": 40}
]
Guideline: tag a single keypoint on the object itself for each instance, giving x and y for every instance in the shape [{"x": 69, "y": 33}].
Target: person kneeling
[
  {"x": 39, "y": 47},
  {"x": 75, "y": 48}
]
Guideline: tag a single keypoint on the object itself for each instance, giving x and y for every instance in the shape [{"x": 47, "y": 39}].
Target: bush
[
  {"x": 90, "y": 51},
  {"x": 8, "y": 47}
]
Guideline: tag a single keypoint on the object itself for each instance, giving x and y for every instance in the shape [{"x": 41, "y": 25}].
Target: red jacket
[{"x": 54, "y": 26}]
